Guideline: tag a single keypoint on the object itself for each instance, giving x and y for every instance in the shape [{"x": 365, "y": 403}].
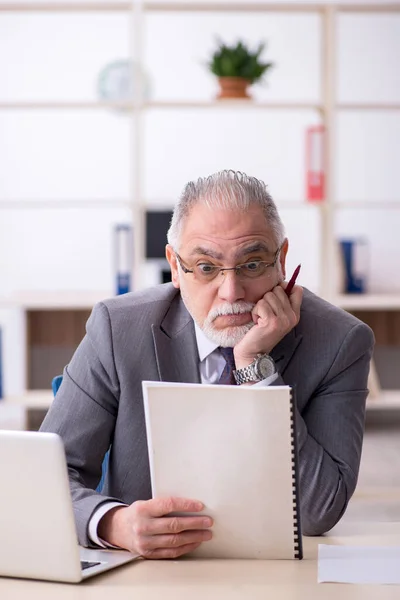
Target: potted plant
[{"x": 237, "y": 67}]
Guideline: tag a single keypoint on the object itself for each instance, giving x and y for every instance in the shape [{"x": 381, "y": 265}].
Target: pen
[{"x": 292, "y": 281}]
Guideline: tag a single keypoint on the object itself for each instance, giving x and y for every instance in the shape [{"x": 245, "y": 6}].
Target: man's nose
[{"x": 230, "y": 288}]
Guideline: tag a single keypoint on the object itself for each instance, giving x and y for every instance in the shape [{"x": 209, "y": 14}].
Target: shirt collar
[{"x": 205, "y": 346}]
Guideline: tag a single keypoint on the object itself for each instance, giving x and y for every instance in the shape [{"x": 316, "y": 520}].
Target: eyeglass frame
[{"x": 236, "y": 268}]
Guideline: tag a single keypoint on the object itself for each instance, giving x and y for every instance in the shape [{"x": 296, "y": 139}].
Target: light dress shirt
[{"x": 212, "y": 363}]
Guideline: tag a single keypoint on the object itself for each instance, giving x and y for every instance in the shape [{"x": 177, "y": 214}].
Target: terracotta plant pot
[{"x": 233, "y": 87}]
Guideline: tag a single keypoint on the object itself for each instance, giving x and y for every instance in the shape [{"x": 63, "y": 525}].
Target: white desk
[{"x": 191, "y": 579}]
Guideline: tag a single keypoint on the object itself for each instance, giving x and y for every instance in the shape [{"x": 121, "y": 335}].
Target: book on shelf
[
  {"x": 355, "y": 264},
  {"x": 123, "y": 258},
  {"x": 315, "y": 163},
  {"x": 374, "y": 385}
]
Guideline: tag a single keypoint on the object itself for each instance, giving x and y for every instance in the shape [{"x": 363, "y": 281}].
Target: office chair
[{"x": 55, "y": 384}]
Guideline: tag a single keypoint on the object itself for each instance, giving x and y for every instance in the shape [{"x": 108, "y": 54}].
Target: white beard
[{"x": 229, "y": 336}]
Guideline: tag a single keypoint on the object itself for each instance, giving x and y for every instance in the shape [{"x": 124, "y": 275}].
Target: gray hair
[{"x": 225, "y": 189}]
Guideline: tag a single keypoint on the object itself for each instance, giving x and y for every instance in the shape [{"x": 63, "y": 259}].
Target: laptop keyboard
[{"x": 86, "y": 564}]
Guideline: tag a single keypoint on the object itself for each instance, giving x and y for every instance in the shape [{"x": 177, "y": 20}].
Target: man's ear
[
  {"x": 282, "y": 257},
  {"x": 173, "y": 263}
]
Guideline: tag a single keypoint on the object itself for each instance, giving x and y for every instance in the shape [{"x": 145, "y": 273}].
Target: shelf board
[
  {"x": 63, "y": 203},
  {"x": 65, "y": 6},
  {"x": 368, "y": 106},
  {"x": 160, "y": 104},
  {"x": 368, "y": 301},
  {"x": 196, "y": 6},
  {"x": 178, "y": 6},
  {"x": 387, "y": 400},
  {"x": 233, "y": 6},
  {"x": 171, "y": 104},
  {"x": 369, "y": 6},
  {"x": 65, "y": 105},
  {"x": 367, "y": 204},
  {"x": 63, "y": 300},
  {"x": 150, "y": 205},
  {"x": 31, "y": 399},
  {"x": 277, "y": 5},
  {"x": 234, "y": 103},
  {"x": 165, "y": 204}
]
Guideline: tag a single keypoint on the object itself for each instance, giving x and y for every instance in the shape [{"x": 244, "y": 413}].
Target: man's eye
[
  {"x": 206, "y": 269},
  {"x": 253, "y": 266}
]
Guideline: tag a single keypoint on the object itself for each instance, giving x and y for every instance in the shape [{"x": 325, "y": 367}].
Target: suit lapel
[
  {"x": 283, "y": 352},
  {"x": 175, "y": 345}
]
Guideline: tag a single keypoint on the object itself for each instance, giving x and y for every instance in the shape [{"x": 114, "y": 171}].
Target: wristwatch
[{"x": 261, "y": 368}]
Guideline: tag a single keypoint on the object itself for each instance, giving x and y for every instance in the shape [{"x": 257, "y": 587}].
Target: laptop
[{"x": 37, "y": 527}]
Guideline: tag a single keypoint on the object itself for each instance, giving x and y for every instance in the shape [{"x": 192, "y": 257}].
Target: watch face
[{"x": 266, "y": 366}]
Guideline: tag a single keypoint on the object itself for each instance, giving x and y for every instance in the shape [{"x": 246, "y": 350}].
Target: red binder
[{"x": 315, "y": 160}]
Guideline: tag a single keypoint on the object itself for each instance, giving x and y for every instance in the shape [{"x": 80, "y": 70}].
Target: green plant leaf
[{"x": 238, "y": 61}]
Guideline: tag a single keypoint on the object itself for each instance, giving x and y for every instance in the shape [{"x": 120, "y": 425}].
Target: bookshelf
[
  {"x": 377, "y": 302},
  {"x": 327, "y": 110},
  {"x": 72, "y": 300}
]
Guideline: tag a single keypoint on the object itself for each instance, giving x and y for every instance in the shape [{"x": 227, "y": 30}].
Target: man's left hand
[{"x": 274, "y": 315}]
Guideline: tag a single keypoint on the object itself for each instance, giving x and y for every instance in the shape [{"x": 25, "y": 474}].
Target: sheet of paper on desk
[{"x": 358, "y": 564}]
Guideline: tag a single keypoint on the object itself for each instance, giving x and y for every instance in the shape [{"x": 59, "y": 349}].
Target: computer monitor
[
  {"x": 157, "y": 225},
  {"x": 166, "y": 275}
]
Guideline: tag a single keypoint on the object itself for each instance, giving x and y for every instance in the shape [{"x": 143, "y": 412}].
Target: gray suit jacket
[{"x": 150, "y": 336}]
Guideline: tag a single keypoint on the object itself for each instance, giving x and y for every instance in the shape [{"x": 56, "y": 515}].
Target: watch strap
[{"x": 251, "y": 373}]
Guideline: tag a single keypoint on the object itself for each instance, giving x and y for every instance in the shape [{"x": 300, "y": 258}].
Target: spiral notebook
[{"x": 233, "y": 448}]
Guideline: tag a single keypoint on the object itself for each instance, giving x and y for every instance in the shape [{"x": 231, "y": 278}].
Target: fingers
[
  {"x": 271, "y": 305},
  {"x": 176, "y": 525},
  {"x": 173, "y": 542},
  {"x": 159, "y": 507},
  {"x": 276, "y": 302},
  {"x": 171, "y": 552},
  {"x": 156, "y": 533},
  {"x": 296, "y": 298},
  {"x": 272, "y": 302},
  {"x": 148, "y": 528}
]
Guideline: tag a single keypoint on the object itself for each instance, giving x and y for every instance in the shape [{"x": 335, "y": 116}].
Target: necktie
[{"x": 227, "y": 377}]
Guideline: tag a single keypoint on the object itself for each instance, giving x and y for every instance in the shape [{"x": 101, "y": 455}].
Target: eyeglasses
[{"x": 253, "y": 269}]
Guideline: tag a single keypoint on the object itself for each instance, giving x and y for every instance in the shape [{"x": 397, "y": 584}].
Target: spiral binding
[{"x": 297, "y": 540}]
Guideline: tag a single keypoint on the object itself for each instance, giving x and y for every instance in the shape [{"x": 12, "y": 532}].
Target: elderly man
[{"x": 227, "y": 251}]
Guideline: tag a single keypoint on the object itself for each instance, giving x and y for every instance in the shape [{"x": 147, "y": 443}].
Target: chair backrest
[{"x": 55, "y": 384}]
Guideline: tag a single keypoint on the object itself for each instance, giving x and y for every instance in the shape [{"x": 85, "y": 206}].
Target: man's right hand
[{"x": 146, "y": 527}]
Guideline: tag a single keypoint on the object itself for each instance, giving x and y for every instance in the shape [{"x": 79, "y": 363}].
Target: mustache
[{"x": 237, "y": 308}]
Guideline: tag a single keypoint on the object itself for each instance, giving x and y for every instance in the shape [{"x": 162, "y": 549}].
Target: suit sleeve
[
  {"x": 330, "y": 433},
  {"x": 84, "y": 413}
]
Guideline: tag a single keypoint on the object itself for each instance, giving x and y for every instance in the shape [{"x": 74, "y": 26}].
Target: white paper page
[
  {"x": 229, "y": 447},
  {"x": 358, "y": 564}
]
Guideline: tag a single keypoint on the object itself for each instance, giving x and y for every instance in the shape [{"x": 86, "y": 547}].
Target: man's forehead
[
  {"x": 207, "y": 221},
  {"x": 237, "y": 249},
  {"x": 225, "y": 230}
]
